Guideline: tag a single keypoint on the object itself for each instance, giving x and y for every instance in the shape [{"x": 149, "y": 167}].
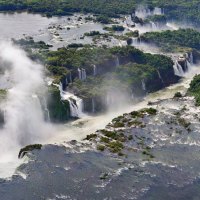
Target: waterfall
[
  {"x": 136, "y": 41},
  {"x": 143, "y": 12},
  {"x": 76, "y": 103},
  {"x": 83, "y": 74},
  {"x": 160, "y": 77},
  {"x": 143, "y": 85},
  {"x": 94, "y": 70},
  {"x": 188, "y": 64},
  {"x": 153, "y": 25},
  {"x": 66, "y": 81},
  {"x": 117, "y": 62},
  {"x": 191, "y": 58},
  {"x": 132, "y": 95},
  {"x": 47, "y": 115},
  {"x": 79, "y": 74},
  {"x": 178, "y": 69},
  {"x": 158, "y": 11},
  {"x": 93, "y": 105}
]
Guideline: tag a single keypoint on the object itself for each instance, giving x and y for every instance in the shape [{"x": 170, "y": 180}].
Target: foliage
[
  {"x": 177, "y": 9},
  {"x": 27, "y": 149},
  {"x": 171, "y": 39},
  {"x": 195, "y": 89},
  {"x": 177, "y": 95}
]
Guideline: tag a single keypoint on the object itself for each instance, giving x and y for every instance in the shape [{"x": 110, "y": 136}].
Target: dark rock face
[
  {"x": 59, "y": 111},
  {"x": 1, "y": 118},
  {"x": 196, "y": 56}
]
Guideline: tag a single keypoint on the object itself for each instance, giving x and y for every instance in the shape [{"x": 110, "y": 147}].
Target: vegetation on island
[
  {"x": 182, "y": 10},
  {"x": 117, "y": 137},
  {"x": 173, "y": 40},
  {"x": 194, "y": 89},
  {"x": 28, "y": 148}
]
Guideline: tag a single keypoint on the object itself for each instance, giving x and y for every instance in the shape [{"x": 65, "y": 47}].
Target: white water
[
  {"x": 178, "y": 69},
  {"x": 117, "y": 62},
  {"x": 25, "y": 112},
  {"x": 24, "y": 120},
  {"x": 76, "y": 103},
  {"x": 143, "y": 85},
  {"x": 94, "y": 70},
  {"x": 82, "y": 75},
  {"x": 143, "y": 12}
]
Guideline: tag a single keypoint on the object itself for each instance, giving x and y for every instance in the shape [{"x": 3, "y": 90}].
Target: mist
[{"x": 23, "y": 116}]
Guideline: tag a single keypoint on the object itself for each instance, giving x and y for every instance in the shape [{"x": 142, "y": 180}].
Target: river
[{"x": 41, "y": 28}]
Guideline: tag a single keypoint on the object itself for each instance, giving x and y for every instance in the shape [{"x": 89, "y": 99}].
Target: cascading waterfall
[
  {"x": 188, "y": 64},
  {"x": 191, "y": 58},
  {"x": 76, "y": 103},
  {"x": 158, "y": 11},
  {"x": 136, "y": 41},
  {"x": 47, "y": 114},
  {"x": 160, "y": 77},
  {"x": 143, "y": 85},
  {"x": 79, "y": 74},
  {"x": 181, "y": 70},
  {"x": 83, "y": 73},
  {"x": 24, "y": 121},
  {"x": 178, "y": 69},
  {"x": 153, "y": 25},
  {"x": 143, "y": 12},
  {"x": 117, "y": 62},
  {"x": 94, "y": 70}
]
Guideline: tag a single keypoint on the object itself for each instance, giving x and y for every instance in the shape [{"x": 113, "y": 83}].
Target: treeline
[
  {"x": 170, "y": 40},
  {"x": 195, "y": 89},
  {"x": 182, "y": 10},
  {"x": 127, "y": 65},
  {"x": 110, "y": 8}
]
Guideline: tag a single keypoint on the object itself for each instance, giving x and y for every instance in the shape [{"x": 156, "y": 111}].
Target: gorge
[{"x": 91, "y": 116}]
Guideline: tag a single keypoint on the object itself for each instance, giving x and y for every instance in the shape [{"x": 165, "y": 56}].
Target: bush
[
  {"x": 177, "y": 95},
  {"x": 27, "y": 149},
  {"x": 100, "y": 147}
]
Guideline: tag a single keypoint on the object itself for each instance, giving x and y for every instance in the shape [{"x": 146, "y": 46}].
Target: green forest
[
  {"x": 183, "y": 10},
  {"x": 170, "y": 40}
]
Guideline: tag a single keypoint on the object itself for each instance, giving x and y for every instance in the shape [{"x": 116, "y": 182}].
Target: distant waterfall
[
  {"x": 82, "y": 74},
  {"x": 47, "y": 115},
  {"x": 143, "y": 12},
  {"x": 143, "y": 85},
  {"x": 94, "y": 70},
  {"x": 188, "y": 64},
  {"x": 79, "y": 74},
  {"x": 160, "y": 77},
  {"x": 178, "y": 70},
  {"x": 93, "y": 105},
  {"x": 76, "y": 103},
  {"x": 117, "y": 62},
  {"x": 158, "y": 11},
  {"x": 153, "y": 25},
  {"x": 183, "y": 64},
  {"x": 191, "y": 58},
  {"x": 136, "y": 41}
]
